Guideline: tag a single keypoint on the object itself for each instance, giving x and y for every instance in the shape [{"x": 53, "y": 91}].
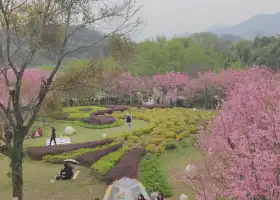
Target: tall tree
[{"x": 30, "y": 26}]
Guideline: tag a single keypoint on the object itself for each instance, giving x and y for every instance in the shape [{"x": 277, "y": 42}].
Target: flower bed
[
  {"x": 87, "y": 159},
  {"x": 58, "y": 159},
  {"x": 126, "y": 167},
  {"x": 37, "y": 153}
]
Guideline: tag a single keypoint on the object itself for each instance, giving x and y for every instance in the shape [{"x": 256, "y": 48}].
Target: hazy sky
[{"x": 171, "y": 17}]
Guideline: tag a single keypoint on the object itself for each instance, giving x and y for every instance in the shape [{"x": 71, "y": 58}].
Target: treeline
[{"x": 197, "y": 53}]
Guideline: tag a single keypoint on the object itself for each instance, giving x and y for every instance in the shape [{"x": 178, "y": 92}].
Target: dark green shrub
[
  {"x": 152, "y": 177},
  {"x": 170, "y": 145}
]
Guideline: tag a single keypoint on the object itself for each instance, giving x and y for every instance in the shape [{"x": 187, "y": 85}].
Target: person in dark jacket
[
  {"x": 53, "y": 136},
  {"x": 128, "y": 120},
  {"x": 160, "y": 197},
  {"x": 66, "y": 173}
]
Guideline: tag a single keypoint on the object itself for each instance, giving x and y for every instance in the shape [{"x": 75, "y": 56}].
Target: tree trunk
[{"x": 17, "y": 158}]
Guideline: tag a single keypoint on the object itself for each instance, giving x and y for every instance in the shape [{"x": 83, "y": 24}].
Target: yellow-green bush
[
  {"x": 170, "y": 134},
  {"x": 133, "y": 138},
  {"x": 192, "y": 129},
  {"x": 103, "y": 166}
]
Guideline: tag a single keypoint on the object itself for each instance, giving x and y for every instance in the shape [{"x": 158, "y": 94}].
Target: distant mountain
[
  {"x": 231, "y": 38},
  {"x": 84, "y": 36},
  {"x": 258, "y": 25}
]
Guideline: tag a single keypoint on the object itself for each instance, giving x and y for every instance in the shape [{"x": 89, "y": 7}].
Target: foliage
[
  {"x": 152, "y": 178},
  {"x": 106, "y": 163}
]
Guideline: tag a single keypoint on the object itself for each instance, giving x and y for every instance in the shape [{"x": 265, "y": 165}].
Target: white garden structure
[{"x": 125, "y": 189}]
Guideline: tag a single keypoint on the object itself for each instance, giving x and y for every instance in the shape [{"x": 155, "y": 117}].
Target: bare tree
[{"x": 30, "y": 26}]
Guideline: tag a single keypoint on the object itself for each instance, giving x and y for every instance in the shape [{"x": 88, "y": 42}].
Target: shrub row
[
  {"x": 126, "y": 167},
  {"x": 117, "y": 123},
  {"x": 152, "y": 177},
  {"x": 95, "y": 119},
  {"x": 58, "y": 159},
  {"x": 87, "y": 159},
  {"x": 106, "y": 163},
  {"x": 77, "y": 109},
  {"x": 155, "y": 106},
  {"x": 37, "y": 153}
]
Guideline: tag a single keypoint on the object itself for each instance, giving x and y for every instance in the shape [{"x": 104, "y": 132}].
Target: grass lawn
[
  {"x": 83, "y": 134},
  {"x": 178, "y": 159},
  {"x": 37, "y": 185}
]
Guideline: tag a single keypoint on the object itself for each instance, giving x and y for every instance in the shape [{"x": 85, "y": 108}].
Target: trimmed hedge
[
  {"x": 117, "y": 123},
  {"x": 152, "y": 177},
  {"x": 106, "y": 163},
  {"x": 127, "y": 166},
  {"x": 155, "y": 106},
  {"x": 37, "y": 153},
  {"x": 89, "y": 158},
  {"x": 58, "y": 159}
]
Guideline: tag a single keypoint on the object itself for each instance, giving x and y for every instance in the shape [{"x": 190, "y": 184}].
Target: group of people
[{"x": 159, "y": 197}]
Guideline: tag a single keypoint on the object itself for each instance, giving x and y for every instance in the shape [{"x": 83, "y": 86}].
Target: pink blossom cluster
[
  {"x": 30, "y": 84},
  {"x": 241, "y": 150}
]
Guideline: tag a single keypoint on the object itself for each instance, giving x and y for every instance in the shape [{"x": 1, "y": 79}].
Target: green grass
[
  {"x": 83, "y": 134},
  {"x": 37, "y": 176}
]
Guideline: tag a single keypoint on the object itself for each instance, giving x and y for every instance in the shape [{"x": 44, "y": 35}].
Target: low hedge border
[
  {"x": 37, "y": 153},
  {"x": 106, "y": 163},
  {"x": 58, "y": 159},
  {"x": 117, "y": 123},
  {"x": 152, "y": 177}
]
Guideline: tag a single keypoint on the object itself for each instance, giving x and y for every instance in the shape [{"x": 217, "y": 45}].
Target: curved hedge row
[
  {"x": 127, "y": 166},
  {"x": 59, "y": 159},
  {"x": 95, "y": 117},
  {"x": 37, "y": 153},
  {"x": 106, "y": 163},
  {"x": 87, "y": 159},
  {"x": 155, "y": 106},
  {"x": 152, "y": 178}
]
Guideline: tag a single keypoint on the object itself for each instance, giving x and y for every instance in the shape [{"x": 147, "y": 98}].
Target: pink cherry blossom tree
[
  {"x": 170, "y": 81},
  {"x": 241, "y": 148}
]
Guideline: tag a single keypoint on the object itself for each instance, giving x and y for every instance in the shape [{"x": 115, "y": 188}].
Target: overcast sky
[{"x": 171, "y": 17}]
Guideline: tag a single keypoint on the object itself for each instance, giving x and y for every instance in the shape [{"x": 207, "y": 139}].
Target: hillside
[
  {"x": 258, "y": 25},
  {"x": 82, "y": 37}
]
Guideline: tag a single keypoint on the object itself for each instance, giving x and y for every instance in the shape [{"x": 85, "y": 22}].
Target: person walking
[
  {"x": 53, "y": 136},
  {"x": 128, "y": 120}
]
